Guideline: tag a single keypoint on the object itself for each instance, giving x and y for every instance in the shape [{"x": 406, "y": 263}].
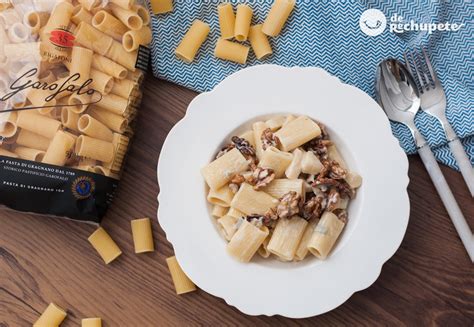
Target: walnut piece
[
  {"x": 336, "y": 171},
  {"x": 268, "y": 219},
  {"x": 244, "y": 146},
  {"x": 261, "y": 177},
  {"x": 341, "y": 214},
  {"x": 313, "y": 208},
  {"x": 269, "y": 139},
  {"x": 319, "y": 147},
  {"x": 235, "y": 183},
  {"x": 289, "y": 205}
]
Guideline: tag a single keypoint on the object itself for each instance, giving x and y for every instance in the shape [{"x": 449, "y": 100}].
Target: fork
[{"x": 433, "y": 102}]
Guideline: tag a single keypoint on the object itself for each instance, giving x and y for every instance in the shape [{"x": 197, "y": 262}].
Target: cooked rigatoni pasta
[
  {"x": 192, "y": 41},
  {"x": 219, "y": 172},
  {"x": 277, "y": 160},
  {"x": 286, "y": 200},
  {"x": 325, "y": 235},
  {"x": 219, "y": 211},
  {"x": 222, "y": 197},
  {"x": 297, "y": 132},
  {"x": 293, "y": 170},
  {"x": 227, "y": 226},
  {"x": 279, "y": 187},
  {"x": 286, "y": 237},
  {"x": 246, "y": 241},
  {"x": 250, "y": 201},
  {"x": 302, "y": 250}
]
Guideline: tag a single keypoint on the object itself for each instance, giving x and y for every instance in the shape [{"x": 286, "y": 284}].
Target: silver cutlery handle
[
  {"x": 464, "y": 163},
  {"x": 461, "y": 157},
  {"x": 448, "y": 199}
]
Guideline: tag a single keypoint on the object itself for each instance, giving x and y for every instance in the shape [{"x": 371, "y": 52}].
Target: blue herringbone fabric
[{"x": 326, "y": 33}]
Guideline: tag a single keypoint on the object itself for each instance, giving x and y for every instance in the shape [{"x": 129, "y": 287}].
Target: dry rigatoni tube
[
  {"x": 134, "y": 38},
  {"x": 69, "y": 119},
  {"x": 101, "y": 82},
  {"x": 94, "y": 149},
  {"x": 124, "y": 88},
  {"x": 231, "y": 51},
  {"x": 243, "y": 19},
  {"x": 125, "y": 4},
  {"x": 108, "y": 24},
  {"x": 91, "y": 322},
  {"x": 36, "y": 20},
  {"x": 226, "y": 20},
  {"x": 81, "y": 61},
  {"x": 29, "y": 139},
  {"x": 94, "y": 128},
  {"x": 143, "y": 13},
  {"x": 113, "y": 103},
  {"x": 117, "y": 53},
  {"x": 115, "y": 122},
  {"x": 142, "y": 235},
  {"x": 38, "y": 124},
  {"x": 104, "y": 245},
  {"x": 4, "y": 152},
  {"x": 128, "y": 17},
  {"x": 277, "y": 17},
  {"x": 259, "y": 42},
  {"x": 92, "y": 38},
  {"x": 192, "y": 41},
  {"x": 29, "y": 153},
  {"x": 181, "y": 282},
  {"x": 89, "y": 4},
  {"x": 161, "y": 6},
  {"x": 59, "y": 149},
  {"x": 80, "y": 14},
  {"x": 51, "y": 317},
  {"x": 108, "y": 67}
]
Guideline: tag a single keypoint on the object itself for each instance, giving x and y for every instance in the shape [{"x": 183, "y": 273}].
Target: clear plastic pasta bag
[{"x": 70, "y": 87}]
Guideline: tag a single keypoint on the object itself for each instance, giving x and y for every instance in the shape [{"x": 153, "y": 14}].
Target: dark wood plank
[{"x": 429, "y": 280}]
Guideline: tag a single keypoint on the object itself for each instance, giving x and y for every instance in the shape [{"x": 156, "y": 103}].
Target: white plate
[{"x": 378, "y": 217}]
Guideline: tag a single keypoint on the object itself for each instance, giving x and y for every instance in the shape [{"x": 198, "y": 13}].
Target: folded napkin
[{"x": 326, "y": 33}]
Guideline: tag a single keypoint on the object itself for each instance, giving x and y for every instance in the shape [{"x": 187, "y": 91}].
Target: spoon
[{"x": 398, "y": 95}]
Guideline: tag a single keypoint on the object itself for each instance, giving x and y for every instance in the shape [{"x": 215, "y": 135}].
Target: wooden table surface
[{"x": 429, "y": 280}]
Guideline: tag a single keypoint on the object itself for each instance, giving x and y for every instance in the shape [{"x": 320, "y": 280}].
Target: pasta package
[{"x": 71, "y": 76}]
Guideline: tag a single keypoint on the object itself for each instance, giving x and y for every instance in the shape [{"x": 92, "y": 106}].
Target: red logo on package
[{"x": 62, "y": 38}]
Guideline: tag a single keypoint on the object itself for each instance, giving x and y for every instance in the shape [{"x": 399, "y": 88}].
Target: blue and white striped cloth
[{"x": 326, "y": 33}]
